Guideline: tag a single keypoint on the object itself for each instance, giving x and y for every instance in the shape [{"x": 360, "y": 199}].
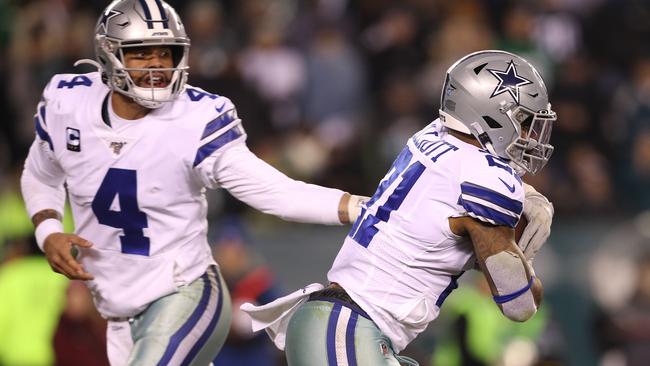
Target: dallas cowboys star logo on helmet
[
  {"x": 509, "y": 81},
  {"x": 106, "y": 17}
]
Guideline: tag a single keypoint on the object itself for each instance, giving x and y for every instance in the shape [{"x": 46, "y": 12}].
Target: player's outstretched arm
[
  {"x": 515, "y": 289},
  {"x": 261, "y": 186}
]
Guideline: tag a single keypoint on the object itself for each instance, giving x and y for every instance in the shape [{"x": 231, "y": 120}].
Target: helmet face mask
[
  {"x": 531, "y": 151},
  {"x": 127, "y": 24},
  {"x": 500, "y": 99}
]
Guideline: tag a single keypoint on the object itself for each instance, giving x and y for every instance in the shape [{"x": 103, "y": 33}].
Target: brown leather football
[{"x": 519, "y": 228}]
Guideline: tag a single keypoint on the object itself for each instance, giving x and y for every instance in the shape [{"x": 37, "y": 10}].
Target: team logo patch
[
  {"x": 73, "y": 139},
  {"x": 509, "y": 81}
]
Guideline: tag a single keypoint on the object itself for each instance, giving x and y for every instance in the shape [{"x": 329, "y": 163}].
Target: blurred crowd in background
[{"x": 329, "y": 91}]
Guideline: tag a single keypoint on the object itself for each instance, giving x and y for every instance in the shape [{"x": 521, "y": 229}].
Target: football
[{"x": 519, "y": 228}]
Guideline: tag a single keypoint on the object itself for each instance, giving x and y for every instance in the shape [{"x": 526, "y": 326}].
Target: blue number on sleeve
[
  {"x": 364, "y": 229},
  {"x": 123, "y": 184},
  {"x": 492, "y": 161},
  {"x": 77, "y": 80},
  {"x": 196, "y": 95}
]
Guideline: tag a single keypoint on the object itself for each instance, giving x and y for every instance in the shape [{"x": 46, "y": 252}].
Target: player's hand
[
  {"x": 58, "y": 247},
  {"x": 539, "y": 212}
]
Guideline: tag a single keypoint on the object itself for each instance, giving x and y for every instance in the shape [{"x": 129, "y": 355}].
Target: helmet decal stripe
[
  {"x": 147, "y": 13},
  {"x": 163, "y": 15}
]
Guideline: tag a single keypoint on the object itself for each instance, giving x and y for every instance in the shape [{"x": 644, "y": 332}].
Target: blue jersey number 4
[{"x": 122, "y": 183}]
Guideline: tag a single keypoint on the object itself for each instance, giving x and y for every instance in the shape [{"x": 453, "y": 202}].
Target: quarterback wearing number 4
[
  {"x": 136, "y": 147},
  {"x": 450, "y": 201}
]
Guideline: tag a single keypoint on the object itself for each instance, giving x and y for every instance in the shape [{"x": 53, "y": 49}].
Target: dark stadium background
[{"x": 328, "y": 92}]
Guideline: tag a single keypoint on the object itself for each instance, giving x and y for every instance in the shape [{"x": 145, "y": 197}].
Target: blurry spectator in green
[
  {"x": 14, "y": 221},
  {"x": 31, "y": 295},
  {"x": 32, "y": 299},
  {"x": 476, "y": 333}
]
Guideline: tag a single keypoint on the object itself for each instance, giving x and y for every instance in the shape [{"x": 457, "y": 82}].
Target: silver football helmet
[
  {"x": 141, "y": 23},
  {"x": 500, "y": 99}
]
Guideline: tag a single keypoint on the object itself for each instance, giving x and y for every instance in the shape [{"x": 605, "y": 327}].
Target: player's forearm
[
  {"x": 261, "y": 186},
  {"x": 298, "y": 201},
  {"x": 43, "y": 215},
  {"x": 45, "y": 204},
  {"x": 514, "y": 287},
  {"x": 39, "y": 196},
  {"x": 42, "y": 180}
]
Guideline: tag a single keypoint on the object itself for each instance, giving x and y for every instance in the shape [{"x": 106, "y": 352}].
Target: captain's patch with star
[{"x": 509, "y": 81}]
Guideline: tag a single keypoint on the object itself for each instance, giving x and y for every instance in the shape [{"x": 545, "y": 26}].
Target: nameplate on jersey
[{"x": 73, "y": 139}]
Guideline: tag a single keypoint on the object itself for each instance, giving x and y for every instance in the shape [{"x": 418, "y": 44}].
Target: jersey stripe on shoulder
[
  {"x": 218, "y": 123},
  {"x": 489, "y": 205},
  {"x": 217, "y": 143},
  {"x": 40, "y": 123},
  {"x": 40, "y": 131}
]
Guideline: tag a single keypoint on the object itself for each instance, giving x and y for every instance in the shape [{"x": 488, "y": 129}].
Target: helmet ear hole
[
  {"x": 177, "y": 54},
  {"x": 491, "y": 122}
]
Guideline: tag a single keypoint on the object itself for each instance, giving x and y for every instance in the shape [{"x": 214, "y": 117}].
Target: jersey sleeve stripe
[
  {"x": 40, "y": 131},
  {"x": 487, "y": 214},
  {"x": 494, "y": 197},
  {"x": 217, "y": 143},
  {"x": 41, "y": 111},
  {"x": 488, "y": 204},
  {"x": 220, "y": 122}
]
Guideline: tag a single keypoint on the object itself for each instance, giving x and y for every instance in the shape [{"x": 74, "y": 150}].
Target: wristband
[
  {"x": 344, "y": 216},
  {"x": 45, "y": 228},
  {"x": 509, "y": 297}
]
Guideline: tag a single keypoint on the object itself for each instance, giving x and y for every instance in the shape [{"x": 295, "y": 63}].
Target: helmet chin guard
[
  {"x": 501, "y": 100},
  {"x": 141, "y": 23}
]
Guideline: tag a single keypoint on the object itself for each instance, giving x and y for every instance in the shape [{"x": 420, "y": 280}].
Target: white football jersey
[
  {"x": 136, "y": 188},
  {"x": 401, "y": 260}
]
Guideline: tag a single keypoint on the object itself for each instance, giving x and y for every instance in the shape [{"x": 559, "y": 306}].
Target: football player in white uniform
[
  {"x": 136, "y": 148},
  {"x": 450, "y": 202}
]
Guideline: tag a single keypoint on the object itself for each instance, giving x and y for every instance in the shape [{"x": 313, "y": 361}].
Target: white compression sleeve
[
  {"x": 513, "y": 287},
  {"x": 263, "y": 187}
]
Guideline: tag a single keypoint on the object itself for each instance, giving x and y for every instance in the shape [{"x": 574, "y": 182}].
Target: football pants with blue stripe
[
  {"x": 324, "y": 333},
  {"x": 185, "y": 328}
]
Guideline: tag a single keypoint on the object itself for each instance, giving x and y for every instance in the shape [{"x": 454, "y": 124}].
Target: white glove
[{"x": 539, "y": 212}]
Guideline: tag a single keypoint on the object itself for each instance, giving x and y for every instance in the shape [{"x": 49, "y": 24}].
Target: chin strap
[{"x": 483, "y": 138}]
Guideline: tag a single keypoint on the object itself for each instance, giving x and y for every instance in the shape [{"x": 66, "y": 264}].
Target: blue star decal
[
  {"x": 107, "y": 16},
  {"x": 509, "y": 81}
]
